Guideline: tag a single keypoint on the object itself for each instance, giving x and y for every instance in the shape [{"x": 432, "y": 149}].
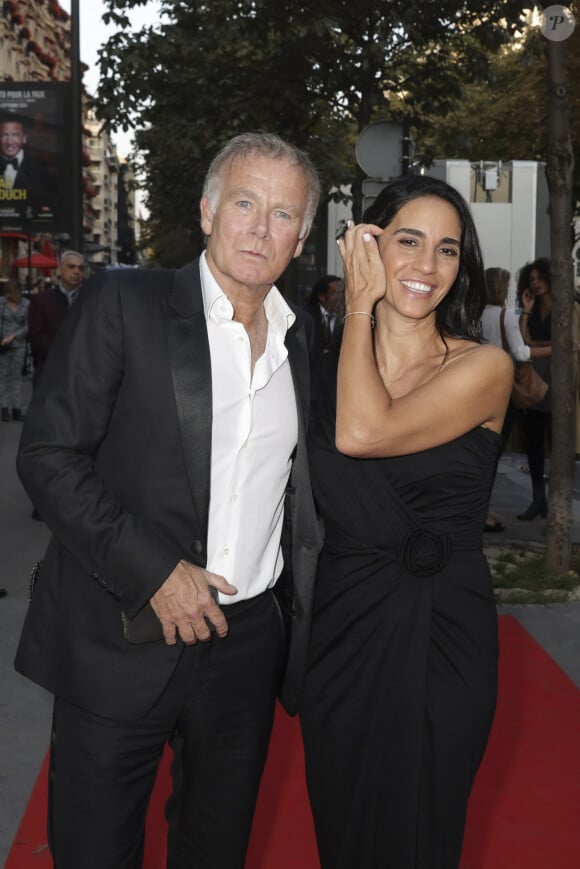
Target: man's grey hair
[
  {"x": 263, "y": 145},
  {"x": 66, "y": 253}
]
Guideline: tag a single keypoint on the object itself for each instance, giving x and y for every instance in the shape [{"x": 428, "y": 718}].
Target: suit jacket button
[{"x": 197, "y": 547}]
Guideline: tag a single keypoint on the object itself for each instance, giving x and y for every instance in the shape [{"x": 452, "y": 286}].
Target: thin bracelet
[
  {"x": 366, "y": 313},
  {"x": 525, "y": 314}
]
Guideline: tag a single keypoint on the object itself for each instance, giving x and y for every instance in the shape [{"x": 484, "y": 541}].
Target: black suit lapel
[
  {"x": 191, "y": 368},
  {"x": 298, "y": 358}
]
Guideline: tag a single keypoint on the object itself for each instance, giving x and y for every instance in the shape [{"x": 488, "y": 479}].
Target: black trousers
[
  {"x": 218, "y": 711},
  {"x": 537, "y": 427}
]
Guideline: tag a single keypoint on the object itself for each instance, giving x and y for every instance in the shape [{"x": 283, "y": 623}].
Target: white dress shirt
[
  {"x": 254, "y": 433},
  {"x": 70, "y": 296},
  {"x": 328, "y": 319},
  {"x": 491, "y": 328}
]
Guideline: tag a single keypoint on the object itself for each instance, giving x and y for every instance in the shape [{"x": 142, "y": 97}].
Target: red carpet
[{"x": 525, "y": 807}]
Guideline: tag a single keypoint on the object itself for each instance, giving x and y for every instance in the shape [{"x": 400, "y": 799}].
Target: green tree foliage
[
  {"x": 505, "y": 117},
  {"x": 213, "y": 69}
]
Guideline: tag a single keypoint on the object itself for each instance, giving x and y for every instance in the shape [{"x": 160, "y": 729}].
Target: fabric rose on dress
[{"x": 424, "y": 553}]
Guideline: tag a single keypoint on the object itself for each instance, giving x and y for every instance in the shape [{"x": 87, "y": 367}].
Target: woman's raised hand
[{"x": 365, "y": 280}]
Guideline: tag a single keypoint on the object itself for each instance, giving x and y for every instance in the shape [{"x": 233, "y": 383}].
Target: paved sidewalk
[
  {"x": 555, "y": 626},
  {"x": 512, "y": 493},
  {"x": 25, "y": 709}
]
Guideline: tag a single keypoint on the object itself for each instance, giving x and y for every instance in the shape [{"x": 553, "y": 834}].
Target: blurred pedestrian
[
  {"x": 321, "y": 306},
  {"x": 496, "y": 286},
  {"x": 47, "y": 311},
  {"x": 48, "y": 308},
  {"x": 536, "y": 329},
  {"x": 13, "y": 328},
  {"x": 495, "y": 316}
]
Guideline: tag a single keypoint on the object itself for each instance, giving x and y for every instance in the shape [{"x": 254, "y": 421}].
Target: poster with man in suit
[{"x": 34, "y": 195}]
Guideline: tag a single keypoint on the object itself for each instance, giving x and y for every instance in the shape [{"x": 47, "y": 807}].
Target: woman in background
[
  {"x": 401, "y": 686},
  {"x": 536, "y": 329},
  {"x": 13, "y": 328},
  {"x": 496, "y": 291}
]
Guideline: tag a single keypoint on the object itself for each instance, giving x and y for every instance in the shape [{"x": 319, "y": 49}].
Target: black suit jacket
[
  {"x": 34, "y": 178},
  {"x": 46, "y": 312},
  {"x": 323, "y": 340},
  {"x": 115, "y": 454}
]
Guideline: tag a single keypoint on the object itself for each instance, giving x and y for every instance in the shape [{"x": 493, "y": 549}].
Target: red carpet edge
[{"x": 524, "y": 810}]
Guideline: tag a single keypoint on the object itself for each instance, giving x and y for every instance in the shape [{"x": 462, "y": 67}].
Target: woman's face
[
  {"x": 420, "y": 250},
  {"x": 538, "y": 285}
]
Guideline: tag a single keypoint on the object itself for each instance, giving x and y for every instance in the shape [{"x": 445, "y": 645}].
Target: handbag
[{"x": 529, "y": 388}]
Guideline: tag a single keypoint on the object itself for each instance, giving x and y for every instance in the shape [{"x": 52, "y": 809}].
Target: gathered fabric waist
[{"x": 420, "y": 551}]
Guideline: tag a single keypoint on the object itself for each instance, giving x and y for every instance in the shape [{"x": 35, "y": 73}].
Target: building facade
[
  {"x": 35, "y": 45},
  {"x": 102, "y": 180},
  {"x": 34, "y": 41}
]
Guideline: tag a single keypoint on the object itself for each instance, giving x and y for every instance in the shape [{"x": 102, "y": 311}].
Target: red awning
[
  {"x": 36, "y": 261},
  {"x": 21, "y": 235}
]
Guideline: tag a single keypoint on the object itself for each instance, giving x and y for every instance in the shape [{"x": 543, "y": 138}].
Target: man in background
[
  {"x": 48, "y": 308},
  {"x": 321, "y": 307}
]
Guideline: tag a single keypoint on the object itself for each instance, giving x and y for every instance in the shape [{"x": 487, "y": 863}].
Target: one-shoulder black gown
[{"x": 401, "y": 686}]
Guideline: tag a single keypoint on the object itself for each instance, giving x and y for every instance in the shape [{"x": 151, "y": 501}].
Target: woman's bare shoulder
[{"x": 460, "y": 350}]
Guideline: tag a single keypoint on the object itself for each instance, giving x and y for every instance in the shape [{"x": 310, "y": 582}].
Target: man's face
[
  {"x": 12, "y": 138},
  {"x": 255, "y": 229},
  {"x": 332, "y": 295},
  {"x": 71, "y": 272}
]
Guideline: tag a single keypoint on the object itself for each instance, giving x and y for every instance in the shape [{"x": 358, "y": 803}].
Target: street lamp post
[{"x": 76, "y": 131}]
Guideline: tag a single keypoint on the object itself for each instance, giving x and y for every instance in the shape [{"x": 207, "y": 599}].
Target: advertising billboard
[{"x": 35, "y": 189}]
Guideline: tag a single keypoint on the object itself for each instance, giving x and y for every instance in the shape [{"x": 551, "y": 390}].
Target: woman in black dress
[
  {"x": 401, "y": 687},
  {"x": 536, "y": 328}
]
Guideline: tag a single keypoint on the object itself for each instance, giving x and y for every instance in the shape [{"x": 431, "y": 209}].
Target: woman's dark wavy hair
[
  {"x": 543, "y": 267},
  {"x": 523, "y": 282},
  {"x": 459, "y": 313}
]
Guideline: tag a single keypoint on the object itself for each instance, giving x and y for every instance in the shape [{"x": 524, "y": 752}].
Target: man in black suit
[
  {"x": 25, "y": 186},
  {"x": 321, "y": 306},
  {"x": 165, "y": 447}
]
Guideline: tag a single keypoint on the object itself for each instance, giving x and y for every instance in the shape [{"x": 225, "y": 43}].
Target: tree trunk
[{"x": 559, "y": 171}]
